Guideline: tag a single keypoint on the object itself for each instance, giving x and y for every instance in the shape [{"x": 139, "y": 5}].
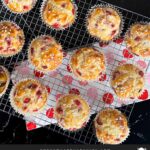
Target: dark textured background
[{"x": 14, "y": 131}]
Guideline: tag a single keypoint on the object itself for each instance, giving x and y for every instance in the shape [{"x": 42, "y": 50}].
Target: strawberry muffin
[
  {"x": 19, "y": 6},
  {"x": 138, "y": 39},
  {"x": 87, "y": 63},
  {"x": 28, "y": 97},
  {"x": 111, "y": 126},
  {"x": 58, "y": 14},
  {"x": 104, "y": 23},
  {"x": 45, "y": 53},
  {"x": 11, "y": 39},
  {"x": 128, "y": 81},
  {"x": 72, "y": 112}
]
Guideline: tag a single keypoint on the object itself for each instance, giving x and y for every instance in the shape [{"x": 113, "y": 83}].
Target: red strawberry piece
[
  {"x": 78, "y": 72},
  {"x": 108, "y": 12},
  {"x": 83, "y": 83},
  {"x": 8, "y": 40},
  {"x": 38, "y": 74},
  {"x": 50, "y": 113},
  {"x": 56, "y": 26},
  {"x": 30, "y": 126},
  {"x": 44, "y": 67},
  {"x": 101, "y": 44},
  {"x": 137, "y": 39},
  {"x": 59, "y": 110},
  {"x": 113, "y": 32},
  {"x": 119, "y": 40},
  {"x": 74, "y": 91},
  {"x": 6, "y": 1},
  {"x": 48, "y": 89},
  {"x": 38, "y": 93},
  {"x": 102, "y": 77},
  {"x": 69, "y": 68},
  {"x": 77, "y": 102},
  {"x": 32, "y": 50},
  {"x": 127, "y": 54},
  {"x": 99, "y": 122},
  {"x": 141, "y": 73},
  {"x": 33, "y": 86},
  {"x": 108, "y": 98},
  {"x": 115, "y": 74},
  {"x": 144, "y": 95},
  {"x": 64, "y": 54},
  {"x": 63, "y": 5},
  {"x": 27, "y": 100},
  {"x": 25, "y": 7},
  {"x": 73, "y": 11}
]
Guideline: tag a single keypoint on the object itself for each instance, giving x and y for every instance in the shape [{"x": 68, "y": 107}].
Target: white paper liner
[
  {"x": 121, "y": 25},
  {"x": 8, "y": 80},
  {"x": 126, "y": 36},
  {"x": 18, "y": 13},
  {"x": 26, "y": 114},
  {"x": 77, "y": 130},
  {"x": 58, "y": 29},
  {"x": 29, "y": 47},
  {"x": 6, "y": 56},
  {"x": 94, "y": 129}
]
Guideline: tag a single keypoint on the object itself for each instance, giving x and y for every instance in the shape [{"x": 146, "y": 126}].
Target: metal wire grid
[{"x": 75, "y": 36}]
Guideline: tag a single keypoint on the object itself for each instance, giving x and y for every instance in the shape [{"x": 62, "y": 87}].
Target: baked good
[
  {"x": 28, "y": 96},
  {"x": 11, "y": 39},
  {"x": 87, "y": 63},
  {"x": 19, "y": 6},
  {"x": 58, "y": 14},
  {"x": 45, "y": 53},
  {"x": 4, "y": 80},
  {"x": 72, "y": 112},
  {"x": 138, "y": 39},
  {"x": 104, "y": 23},
  {"x": 111, "y": 126},
  {"x": 127, "y": 81}
]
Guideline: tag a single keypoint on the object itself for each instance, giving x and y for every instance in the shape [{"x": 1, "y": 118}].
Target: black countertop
[{"x": 14, "y": 131}]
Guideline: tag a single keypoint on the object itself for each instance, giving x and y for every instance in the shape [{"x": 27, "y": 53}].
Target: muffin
[
  {"x": 111, "y": 126},
  {"x": 104, "y": 23},
  {"x": 28, "y": 97},
  {"x": 11, "y": 39},
  {"x": 138, "y": 39},
  {"x": 72, "y": 112},
  {"x": 19, "y": 6},
  {"x": 127, "y": 81},
  {"x": 4, "y": 80},
  {"x": 58, "y": 14},
  {"x": 45, "y": 54},
  {"x": 87, "y": 63}
]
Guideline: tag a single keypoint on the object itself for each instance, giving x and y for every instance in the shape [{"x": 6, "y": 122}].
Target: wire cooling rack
[{"x": 71, "y": 38}]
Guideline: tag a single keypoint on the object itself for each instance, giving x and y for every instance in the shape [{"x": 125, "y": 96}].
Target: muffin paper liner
[
  {"x": 140, "y": 68},
  {"x": 105, "y": 6},
  {"x": 77, "y": 129},
  {"x": 8, "y": 80},
  {"x": 94, "y": 129},
  {"x": 26, "y": 114},
  {"x": 80, "y": 79},
  {"x": 18, "y": 13},
  {"x": 29, "y": 47},
  {"x": 59, "y": 29},
  {"x": 126, "y": 35},
  {"x": 6, "y": 56}
]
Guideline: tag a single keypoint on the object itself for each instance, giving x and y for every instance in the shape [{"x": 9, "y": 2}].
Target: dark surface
[{"x": 15, "y": 131}]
